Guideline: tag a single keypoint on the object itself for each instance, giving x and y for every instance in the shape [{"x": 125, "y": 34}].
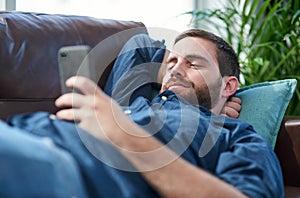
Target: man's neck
[{"x": 217, "y": 109}]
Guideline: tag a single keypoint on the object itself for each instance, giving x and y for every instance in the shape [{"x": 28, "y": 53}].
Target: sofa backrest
[{"x": 29, "y": 43}]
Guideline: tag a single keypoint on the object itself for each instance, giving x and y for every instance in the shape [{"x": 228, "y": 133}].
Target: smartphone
[{"x": 72, "y": 61}]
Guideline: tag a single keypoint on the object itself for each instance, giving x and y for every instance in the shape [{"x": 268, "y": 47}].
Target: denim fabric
[
  {"x": 100, "y": 179},
  {"x": 217, "y": 144},
  {"x": 135, "y": 71},
  {"x": 32, "y": 166},
  {"x": 228, "y": 148}
]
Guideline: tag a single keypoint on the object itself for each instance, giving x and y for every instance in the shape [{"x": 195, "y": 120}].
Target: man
[
  {"x": 206, "y": 155},
  {"x": 47, "y": 157},
  {"x": 139, "y": 70}
]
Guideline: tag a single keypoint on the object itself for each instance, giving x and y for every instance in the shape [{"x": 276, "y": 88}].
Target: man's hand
[
  {"x": 232, "y": 107},
  {"x": 93, "y": 110}
]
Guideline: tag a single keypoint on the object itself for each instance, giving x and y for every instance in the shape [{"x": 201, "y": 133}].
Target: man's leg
[
  {"x": 97, "y": 160},
  {"x": 139, "y": 59},
  {"x": 31, "y": 166}
]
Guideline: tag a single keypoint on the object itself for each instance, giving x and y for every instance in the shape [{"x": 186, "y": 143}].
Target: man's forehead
[{"x": 191, "y": 46}]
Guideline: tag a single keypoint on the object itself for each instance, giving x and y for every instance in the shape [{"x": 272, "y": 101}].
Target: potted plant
[{"x": 265, "y": 35}]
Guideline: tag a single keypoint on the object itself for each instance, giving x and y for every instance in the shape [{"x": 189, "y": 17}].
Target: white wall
[
  {"x": 164, "y": 18},
  {"x": 154, "y": 13},
  {"x": 2, "y": 4}
]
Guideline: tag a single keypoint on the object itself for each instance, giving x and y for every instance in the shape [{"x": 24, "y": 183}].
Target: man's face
[{"x": 192, "y": 72}]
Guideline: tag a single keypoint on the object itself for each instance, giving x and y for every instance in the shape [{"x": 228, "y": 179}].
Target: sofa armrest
[{"x": 287, "y": 149}]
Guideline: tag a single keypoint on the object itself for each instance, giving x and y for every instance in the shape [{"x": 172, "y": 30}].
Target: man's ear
[{"x": 231, "y": 84}]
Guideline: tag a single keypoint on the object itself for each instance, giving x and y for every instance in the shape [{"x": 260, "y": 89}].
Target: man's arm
[{"x": 101, "y": 116}]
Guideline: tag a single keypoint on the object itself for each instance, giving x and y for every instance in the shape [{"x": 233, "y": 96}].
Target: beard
[
  {"x": 203, "y": 95},
  {"x": 208, "y": 97}
]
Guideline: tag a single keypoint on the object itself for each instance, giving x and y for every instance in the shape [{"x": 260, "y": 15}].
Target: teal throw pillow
[{"x": 264, "y": 105}]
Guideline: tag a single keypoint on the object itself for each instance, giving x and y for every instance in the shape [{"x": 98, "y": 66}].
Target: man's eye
[
  {"x": 171, "y": 60},
  {"x": 170, "y": 66},
  {"x": 171, "y": 63},
  {"x": 195, "y": 66}
]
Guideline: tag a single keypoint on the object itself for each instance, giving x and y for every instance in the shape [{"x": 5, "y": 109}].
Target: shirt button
[
  {"x": 127, "y": 111},
  {"x": 52, "y": 117},
  {"x": 164, "y": 98}
]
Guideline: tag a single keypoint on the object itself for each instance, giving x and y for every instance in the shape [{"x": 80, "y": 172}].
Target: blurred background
[
  {"x": 264, "y": 33},
  {"x": 154, "y": 13}
]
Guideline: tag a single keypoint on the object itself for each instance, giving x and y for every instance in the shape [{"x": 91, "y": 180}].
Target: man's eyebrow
[
  {"x": 195, "y": 56},
  {"x": 188, "y": 57}
]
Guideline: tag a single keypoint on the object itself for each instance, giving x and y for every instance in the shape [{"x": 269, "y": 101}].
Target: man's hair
[{"x": 226, "y": 56}]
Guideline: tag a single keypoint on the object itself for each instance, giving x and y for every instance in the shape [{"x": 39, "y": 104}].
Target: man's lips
[{"x": 176, "y": 84}]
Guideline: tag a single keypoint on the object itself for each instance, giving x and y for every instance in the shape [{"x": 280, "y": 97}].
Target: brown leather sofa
[
  {"x": 287, "y": 149},
  {"x": 29, "y": 78}
]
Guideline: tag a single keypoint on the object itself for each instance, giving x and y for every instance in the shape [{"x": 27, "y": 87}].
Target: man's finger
[
  {"x": 74, "y": 100},
  {"x": 236, "y": 100},
  {"x": 234, "y": 105},
  {"x": 64, "y": 100},
  {"x": 68, "y": 114},
  {"x": 83, "y": 84},
  {"x": 230, "y": 112}
]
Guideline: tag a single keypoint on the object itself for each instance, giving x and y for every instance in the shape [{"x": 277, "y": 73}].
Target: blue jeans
[{"x": 32, "y": 166}]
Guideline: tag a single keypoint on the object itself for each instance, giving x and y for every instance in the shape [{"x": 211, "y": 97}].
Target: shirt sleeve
[{"x": 251, "y": 166}]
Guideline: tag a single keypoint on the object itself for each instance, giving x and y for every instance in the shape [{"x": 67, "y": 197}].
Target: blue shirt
[{"x": 227, "y": 148}]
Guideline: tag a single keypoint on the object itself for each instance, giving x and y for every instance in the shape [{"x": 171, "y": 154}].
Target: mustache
[{"x": 178, "y": 80}]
